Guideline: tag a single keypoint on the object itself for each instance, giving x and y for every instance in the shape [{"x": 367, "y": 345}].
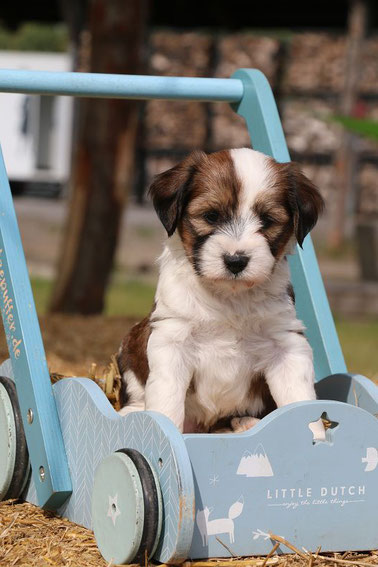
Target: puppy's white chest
[
  {"x": 223, "y": 367},
  {"x": 221, "y": 344},
  {"x": 227, "y": 339}
]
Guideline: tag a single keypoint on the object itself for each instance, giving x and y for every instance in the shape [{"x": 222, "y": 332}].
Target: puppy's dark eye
[
  {"x": 212, "y": 216},
  {"x": 267, "y": 220}
]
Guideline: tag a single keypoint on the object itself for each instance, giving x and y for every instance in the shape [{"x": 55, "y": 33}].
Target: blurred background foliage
[
  {"x": 362, "y": 127},
  {"x": 35, "y": 36}
]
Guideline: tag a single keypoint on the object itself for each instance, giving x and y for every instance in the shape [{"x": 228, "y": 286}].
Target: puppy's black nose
[{"x": 235, "y": 262}]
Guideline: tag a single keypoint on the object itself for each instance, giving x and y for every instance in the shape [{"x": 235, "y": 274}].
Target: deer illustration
[{"x": 219, "y": 525}]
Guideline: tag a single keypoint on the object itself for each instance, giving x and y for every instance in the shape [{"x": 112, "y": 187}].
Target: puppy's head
[{"x": 237, "y": 212}]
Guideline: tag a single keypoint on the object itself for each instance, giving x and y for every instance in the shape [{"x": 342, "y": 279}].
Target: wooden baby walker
[{"x": 143, "y": 487}]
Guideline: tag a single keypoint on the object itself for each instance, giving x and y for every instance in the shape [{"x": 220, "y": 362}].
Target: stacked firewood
[{"x": 307, "y": 72}]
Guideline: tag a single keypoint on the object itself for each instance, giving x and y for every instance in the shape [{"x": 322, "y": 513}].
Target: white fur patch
[
  {"x": 252, "y": 169},
  {"x": 135, "y": 393}
]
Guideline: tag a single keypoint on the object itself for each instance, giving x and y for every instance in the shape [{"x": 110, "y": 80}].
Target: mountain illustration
[{"x": 255, "y": 464}]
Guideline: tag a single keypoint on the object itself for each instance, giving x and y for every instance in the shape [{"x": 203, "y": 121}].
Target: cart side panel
[
  {"x": 274, "y": 479},
  {"x": 92, "y": 430}
]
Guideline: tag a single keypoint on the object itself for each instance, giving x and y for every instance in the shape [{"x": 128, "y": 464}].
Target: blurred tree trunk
[
  {"x": 103, "y": 161},
  {"x": 346, "y": 158},
  {"x": 75, "y": 13}
]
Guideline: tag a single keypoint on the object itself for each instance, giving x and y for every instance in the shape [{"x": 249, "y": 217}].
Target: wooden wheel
[
  {"x": 126, "y": 508},
  {"x": 14, "y": 457}
]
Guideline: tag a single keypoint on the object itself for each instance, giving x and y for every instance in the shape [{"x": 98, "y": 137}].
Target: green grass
[
  {"x": 129, "y": 298},
  {"x": 358, "y": 338},
  {"x": 41, "y": 291},
  {"x": 359, "y": 341}
]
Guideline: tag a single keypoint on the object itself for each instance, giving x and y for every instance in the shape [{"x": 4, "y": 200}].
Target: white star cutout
[
  {"x": 214, "y": 479},
  {"x": 113, "y": 510}
]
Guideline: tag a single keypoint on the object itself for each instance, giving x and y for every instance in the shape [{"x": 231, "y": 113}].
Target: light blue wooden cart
[{"x": 142, "y": 486}]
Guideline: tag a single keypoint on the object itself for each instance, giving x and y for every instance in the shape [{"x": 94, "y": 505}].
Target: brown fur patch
[
  {"x": 290, "y": 292},
  {"x": 278, "y": 237},
  {"x": 215, "y": 187},
  {"x": 133, "y": 355},
  {"x": 274, "y": 209},
  {"x": 171, "y": 189},
  {"x": 301, "y": 198}
]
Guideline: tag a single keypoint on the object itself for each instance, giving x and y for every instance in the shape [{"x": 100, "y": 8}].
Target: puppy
[{"x": 222, "y": 345}]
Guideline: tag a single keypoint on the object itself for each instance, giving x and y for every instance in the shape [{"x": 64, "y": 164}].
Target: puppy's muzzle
[{"x": 235, "y": 263}]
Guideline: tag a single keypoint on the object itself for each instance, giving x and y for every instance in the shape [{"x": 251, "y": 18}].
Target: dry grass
[
  {"x": 31, "y": 537},
  {"x": 73, "y": 343}
]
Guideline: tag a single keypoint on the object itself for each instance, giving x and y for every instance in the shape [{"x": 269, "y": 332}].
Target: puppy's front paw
[{"x": 240, "y": 424}]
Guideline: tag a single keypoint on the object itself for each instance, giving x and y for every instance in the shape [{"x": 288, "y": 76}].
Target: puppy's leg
[
  {"x": 290, "y": 371},
  {"x": 290, "y": 374},
  {"x": 134, "y": 393},
  {"x": 169, "y": 377}
]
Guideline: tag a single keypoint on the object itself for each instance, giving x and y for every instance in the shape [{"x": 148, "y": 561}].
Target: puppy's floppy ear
[
  {"x": 305, "y": 200},
  {"x": 170, "y": 190}
]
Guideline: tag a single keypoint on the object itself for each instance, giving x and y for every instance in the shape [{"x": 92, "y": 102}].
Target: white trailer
[{"x": 35, "y": 130}]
